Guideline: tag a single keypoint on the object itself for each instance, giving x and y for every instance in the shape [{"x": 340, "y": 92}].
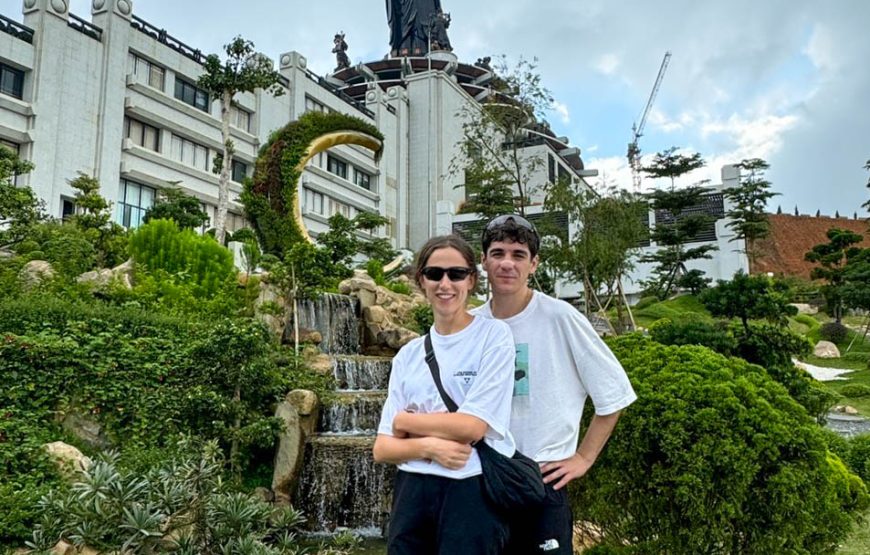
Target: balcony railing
[
  {"x": 16, "y": 29},
  {"x": 161, "y": 36},
  {"x": 344, "y": 96},
  {"x": 85, "y": 27}
]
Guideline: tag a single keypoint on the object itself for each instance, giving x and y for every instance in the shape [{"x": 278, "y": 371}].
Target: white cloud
[
  {"x": 562, "y": 110},
  {"x": 758, "y": 137},
  {"x": 607, "y": 64},
  {"x": 821, "y": 48}
]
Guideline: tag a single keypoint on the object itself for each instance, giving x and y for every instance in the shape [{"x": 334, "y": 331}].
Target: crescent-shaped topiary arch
[{"x": 271, "y": 198}]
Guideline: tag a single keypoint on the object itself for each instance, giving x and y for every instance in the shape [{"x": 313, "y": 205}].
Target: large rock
[
  {"x": 804, "y": 308},
  {"x": 100, "y": 279},
  {"x": 270, "y": 304},
  {"x": 299, "y": 414},
  {"x": 35, "y": 272},
  {"x": 385, "y": 314},
  {"x": 85, "y": 429},
  {"x": 69, "y": 460},
  {"x": 826, "y": 349}
]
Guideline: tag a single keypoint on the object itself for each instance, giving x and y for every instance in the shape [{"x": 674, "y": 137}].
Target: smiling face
[
  {"x": 448, "y": 298},
  {"x": 508, "y": 266}
]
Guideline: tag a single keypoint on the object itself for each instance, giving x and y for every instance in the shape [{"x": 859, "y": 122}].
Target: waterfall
[
  {"x": 340, "y": 485},
  {"x": 335, "y": 317}
]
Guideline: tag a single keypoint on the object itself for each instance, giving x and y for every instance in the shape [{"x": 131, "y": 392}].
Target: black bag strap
[{"x": 436, "y": 374}]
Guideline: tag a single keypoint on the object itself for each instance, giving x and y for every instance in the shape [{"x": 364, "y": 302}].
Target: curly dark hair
[{"x": 512, "y": 228}]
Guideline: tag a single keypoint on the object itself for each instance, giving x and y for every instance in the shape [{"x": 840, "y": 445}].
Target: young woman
[{"x": 438, "y": 502}]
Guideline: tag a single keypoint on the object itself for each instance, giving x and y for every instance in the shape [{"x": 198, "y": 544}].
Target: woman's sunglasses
[{"x": 456, "y": 273}]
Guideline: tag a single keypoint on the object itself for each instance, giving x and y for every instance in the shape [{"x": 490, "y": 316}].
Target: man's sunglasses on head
[{"x": 518, "y": 220}]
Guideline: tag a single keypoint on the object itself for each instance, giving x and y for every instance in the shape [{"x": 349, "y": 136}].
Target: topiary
[
  {"x": 858, "y": 457},
  {"x": 855, "y": 390},
  {"x": 715, "y": 336},
  {"x": 270, "y": 196},
  {"x": 713, "y": 457},
  {"x": 833, "y": 332}
]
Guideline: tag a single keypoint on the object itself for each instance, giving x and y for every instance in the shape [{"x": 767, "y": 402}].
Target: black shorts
[
  {"x": 433, "y": 515},
  {"x": 548, "y": 529}
]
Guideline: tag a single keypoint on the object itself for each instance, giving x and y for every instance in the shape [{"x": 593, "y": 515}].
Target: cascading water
[
  {"x": 336, "y": 317},
  {"x": 340, "y": 485}
]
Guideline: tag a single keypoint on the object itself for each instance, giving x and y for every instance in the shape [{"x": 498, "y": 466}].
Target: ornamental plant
[{"x": 714, "y": 457}]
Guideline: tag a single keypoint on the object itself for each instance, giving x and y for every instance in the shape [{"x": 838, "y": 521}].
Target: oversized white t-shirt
[
  {"x": 477, "y": 372},
  {"x": 560, "y": 360}
]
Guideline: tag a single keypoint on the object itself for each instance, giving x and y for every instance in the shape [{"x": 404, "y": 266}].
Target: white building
[{"x": 115, "y": 97}]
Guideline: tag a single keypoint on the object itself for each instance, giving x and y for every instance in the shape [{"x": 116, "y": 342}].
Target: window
[
  {"x": 312, "y": 105},
  {"x": 143, "y": 135},
  {"x": 14, "y": 147},
  {"x": 336, "y": 166},
  {"x": 189, "y": 153},
  {"x": 313, "y": 202},
  {"x": 133, "y": 201},
  {"x": 563, "y": 173},
  {"x": 240, "y": 119},
  {"x": 551, "y": 169},
  {"x": 191, "y": 94},
  {"x": 67, "y": 208},
  {"x": 362, "y": 179},
  {"x": 240, "y": 171},
  {"x": 147, "y": 72},
  {"x": 11, "y": 81}
]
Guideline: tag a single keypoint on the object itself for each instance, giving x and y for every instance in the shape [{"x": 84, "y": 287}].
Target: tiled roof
[{"x": 791, "y": 237}]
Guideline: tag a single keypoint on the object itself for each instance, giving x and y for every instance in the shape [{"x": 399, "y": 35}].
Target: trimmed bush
[
  {"x": 715, "y": 336},
  {"x": 858, "y": 457},
  {"x": 197, "y": 260},
  {"x": 855, "y": 390},
  {"x": 714, "y": 457},
  {"x": 833, "y": 332}
]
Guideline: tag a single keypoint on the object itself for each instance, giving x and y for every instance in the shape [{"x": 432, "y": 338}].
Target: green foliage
[
  {"x": 832, "y": 258},
  {"x": 855, "y": 289},
  {"x": 678, "y": 308},
  {"x": 713, "y": 457},
  {"x": 176, "y": 205},
  {"x": 858, "y": 457},
  {"x": 714, "y": 336},
  {"x": 749, "y": 298},
  {"x": 244, "y": 70},
  {"x": 423, "y": 318},
  {"x": 672, "y": 234},
  {"x": 496, "y": 168},
  {"x": 399, "y": 287},
  {"x": 19, "y": 206},
  {"x": 693, "y": 281},
  {"x": 65, "y": 245},
  {"x": 181, "y": 506},
  {"x": 748, "y": 215},
  {"x": 833, "y": 332},
  {"x": 94, "y": 218},
  {"x": 855, "y": 390},
  {"x": 268, "y": 198},
  {"x": 375, "y": 270},
  {"x": 190, "y": 259}
]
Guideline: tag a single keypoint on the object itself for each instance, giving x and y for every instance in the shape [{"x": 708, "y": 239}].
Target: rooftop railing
[
  {"x": 85, "y": 27},
  {"x": 344, "y": 96},
  {"x": 16, "y": 29},
  {"x": 161, "y": 36}
]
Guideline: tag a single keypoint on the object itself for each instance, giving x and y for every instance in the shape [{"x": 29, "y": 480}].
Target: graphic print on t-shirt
[
  {"x": 521, "y": 375},
  {"x": 465, "y": 378}
]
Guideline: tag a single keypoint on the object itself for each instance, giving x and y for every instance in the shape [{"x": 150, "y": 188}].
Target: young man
[{"x": 560, "y": 360}]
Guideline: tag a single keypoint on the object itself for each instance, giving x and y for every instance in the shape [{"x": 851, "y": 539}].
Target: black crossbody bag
[{"x": 510, "y": 483}]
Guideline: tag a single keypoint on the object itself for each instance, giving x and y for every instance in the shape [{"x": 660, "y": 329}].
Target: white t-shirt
[
  {"x": 477, "y": 372},
  {"x": 560, "y": 360}
]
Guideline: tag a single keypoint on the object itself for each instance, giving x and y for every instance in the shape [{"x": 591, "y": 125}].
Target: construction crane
[{"x": 637, "y": 127}]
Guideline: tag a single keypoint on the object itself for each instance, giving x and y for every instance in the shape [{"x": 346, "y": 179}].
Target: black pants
[
  {"x": 433, "y": 515},
  {"x": 547, "y": 530}
]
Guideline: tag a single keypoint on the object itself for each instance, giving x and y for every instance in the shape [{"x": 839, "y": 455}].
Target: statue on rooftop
[
  {"x": 410, "y": 23},
  {"x": 340, "y": 51}
]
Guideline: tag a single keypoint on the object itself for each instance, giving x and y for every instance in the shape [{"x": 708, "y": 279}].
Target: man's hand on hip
[{"x": 562, "y": 472}]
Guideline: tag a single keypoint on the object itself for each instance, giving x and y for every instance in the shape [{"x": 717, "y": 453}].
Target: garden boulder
[
  {"x": 826, "y": 349},
  {"x": 35, "y": 272},
  {"x": 69, "y": 460},
  {"x": 298, "y": 413}
]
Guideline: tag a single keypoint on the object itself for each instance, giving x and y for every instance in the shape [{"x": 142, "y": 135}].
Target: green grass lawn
[
  {"x": 673, "y": 309},
  {"x": 857, "y": 359},
  {"x": 858, "y": 542}
]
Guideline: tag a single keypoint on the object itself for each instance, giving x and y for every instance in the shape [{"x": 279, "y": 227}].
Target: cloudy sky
[{"x": 783, "y": 80}]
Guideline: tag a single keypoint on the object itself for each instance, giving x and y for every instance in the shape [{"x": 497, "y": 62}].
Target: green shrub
[
  {"x": 855, "y": 390},
  {"x": 182, "y": 506},
  {"x": 714, "y": 457},
  {"x": 833, "y": 332},
  {"x": 807, "y": 320},
  {"x": 715, "y": 336},
  {"x": 399, "y": 287},
  {"x": 423, "y": 317},
  {"x": 191, "y": 259},
  {"x": 858, "y": 457},
  {"x": 375, "y": 270}
]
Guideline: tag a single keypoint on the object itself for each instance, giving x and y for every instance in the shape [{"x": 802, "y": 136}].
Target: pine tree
[{"x": 748, "y": 214}]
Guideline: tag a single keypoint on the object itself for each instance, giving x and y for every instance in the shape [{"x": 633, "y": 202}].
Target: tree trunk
[{"x": 220, "y": 223}]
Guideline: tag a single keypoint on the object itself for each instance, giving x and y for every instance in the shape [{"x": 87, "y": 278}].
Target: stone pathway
[{"x": 822, "y": 374}]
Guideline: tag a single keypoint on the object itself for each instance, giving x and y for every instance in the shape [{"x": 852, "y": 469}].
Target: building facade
[{"x": 116, "y": 97}]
